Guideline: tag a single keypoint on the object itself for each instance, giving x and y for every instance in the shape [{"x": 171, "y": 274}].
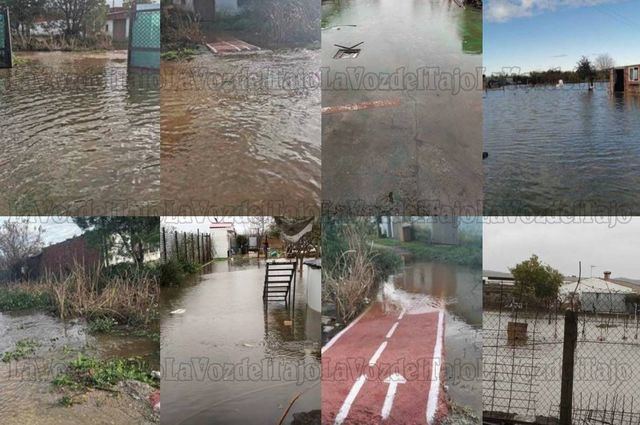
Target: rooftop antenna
[{"x": 592, "y": 267}]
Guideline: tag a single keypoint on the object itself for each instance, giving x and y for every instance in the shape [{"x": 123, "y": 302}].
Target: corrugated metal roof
[{"x": 594, "y": 284}]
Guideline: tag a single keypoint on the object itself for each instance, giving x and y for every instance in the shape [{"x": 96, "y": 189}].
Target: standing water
[
  {"x": 78, "y": 131},
  {"x": 27, "y": 395},
  {"x": 561, "y": 151},
  {"x": 458, "y": 290},
  {"x": 229, "y": 358},
  {"x": 239, "y": 125},
  {"x": 424, "y": 142}
]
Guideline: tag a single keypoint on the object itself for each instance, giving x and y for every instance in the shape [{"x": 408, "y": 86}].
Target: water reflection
[
  {"x": 561, "y": 149},
  {"x": 271, "y": 352}
]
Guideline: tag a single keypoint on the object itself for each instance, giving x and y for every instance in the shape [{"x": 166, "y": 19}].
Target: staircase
[{"x": 279, "y": 278}]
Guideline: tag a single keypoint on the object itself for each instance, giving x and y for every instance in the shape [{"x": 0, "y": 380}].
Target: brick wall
[{"x": 61, "y": 257}]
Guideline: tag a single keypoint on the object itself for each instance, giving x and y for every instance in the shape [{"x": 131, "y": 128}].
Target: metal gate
[
  {"x": 144, "y": 36},
  {"x": 5, "y": 38}
]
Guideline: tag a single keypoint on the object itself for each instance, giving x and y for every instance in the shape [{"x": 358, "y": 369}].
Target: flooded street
[
  {"x": 398, "y": 125},
  {"x": 229, "y": 360},
  {"x": 78, "y": 134},
  {"x": 242, "y": 124},
  {"x": 550, "y": 149},
  {"x": 27, "y": 395},
  {"x": 459, "y": 289}
]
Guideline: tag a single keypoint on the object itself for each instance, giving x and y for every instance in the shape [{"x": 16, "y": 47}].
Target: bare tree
[
  {"x": 19, "y": 240},
  {"x": 604, "y": 62},
  {"x": 74, "y": 12}
]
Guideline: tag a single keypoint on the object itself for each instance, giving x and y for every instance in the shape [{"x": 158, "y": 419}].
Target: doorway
[{"x": 619, "y": 83}]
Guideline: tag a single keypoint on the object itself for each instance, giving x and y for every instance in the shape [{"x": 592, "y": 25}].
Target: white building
[
  {"x": 601, "y": 295},
  {"x": 222, "y": 236},
  {"x": 117, "y": 25}
]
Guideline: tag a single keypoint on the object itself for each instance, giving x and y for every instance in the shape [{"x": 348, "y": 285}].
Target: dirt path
[{"x": 385, "y": 368}]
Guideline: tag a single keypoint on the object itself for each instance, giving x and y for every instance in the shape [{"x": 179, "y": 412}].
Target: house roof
[
  {"x": 594, "y": 284},
  {"x": 497, "y": 275}
]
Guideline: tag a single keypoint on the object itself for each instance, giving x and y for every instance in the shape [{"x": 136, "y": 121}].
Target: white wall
[
  {"x": 220, "y": 240},
  {"x": 109, "y": 28}
]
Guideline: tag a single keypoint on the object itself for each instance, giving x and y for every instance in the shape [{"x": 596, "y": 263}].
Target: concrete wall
[
  {"x": 220, "y": 240},
  {"x": 109, "y": 29},
  {"x": 603, "y": 302}
]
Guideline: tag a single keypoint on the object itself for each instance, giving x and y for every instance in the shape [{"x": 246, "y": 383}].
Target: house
[
  {"x": 207, "y": 9},
  {"x": 43, "y": 26},
  {"x": 223, "y": 237},
  {"x": 62, "y": 258},
  {"x": 497, "y": 287},
  {"x": 599, "y": 295},
  {"x": 117, "y": 24},
  {"x": 442, "y": 230},
  {"x": 625, "y": 79}
]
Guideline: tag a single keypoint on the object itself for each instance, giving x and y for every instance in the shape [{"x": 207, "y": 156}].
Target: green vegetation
[
  {"x": 181, "y": 54},
  {"x": 24, "y": 297},
  {"x": 174, "y": 272},
  {"x": 102, "y": 325},
  {"x": 536, "y": 281},
  {"x": 467, "y": 253},
  {"x": 88, "y": 372},
  {"x": 24, "y": 348}
]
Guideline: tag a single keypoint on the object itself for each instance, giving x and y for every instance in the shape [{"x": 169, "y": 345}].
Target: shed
[{"x": 625, "y": 79}]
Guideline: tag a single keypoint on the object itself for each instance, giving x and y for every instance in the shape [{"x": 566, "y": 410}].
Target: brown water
[
  {"x": 227, "y": 328},
  {"x": 241, "y": 146},
  {"x": 459, "y": 288},
  {"x": 79, "y": 136},
  {"x": 424, "y": 151},
  {"x": 26, "y": 393}
]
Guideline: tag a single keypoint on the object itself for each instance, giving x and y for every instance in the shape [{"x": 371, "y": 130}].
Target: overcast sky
[
  {"x": 191, "y": 224},
  {"x": 56, "y": 229},
  {"x": 612, "y": 243}
]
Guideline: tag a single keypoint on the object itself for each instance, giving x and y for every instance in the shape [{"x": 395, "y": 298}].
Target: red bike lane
[{"x": 392, "y": 381}]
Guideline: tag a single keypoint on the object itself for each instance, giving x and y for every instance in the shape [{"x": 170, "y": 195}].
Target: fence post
[
  {"x": 177, "y": 247},
  {"x": 164, "y": 244},
  {"x": 198, "y": 246},
  {"x": 186, "y": 248},
  {"x": 568, "y": 358}
]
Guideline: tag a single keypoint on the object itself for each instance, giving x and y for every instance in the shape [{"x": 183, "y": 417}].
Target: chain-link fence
[
  {"x": 186, "y": 247},
  {"x": 144, "y": 36},
  {"x": 5, "y": 38},
  {"x": 549, "y": 365}
]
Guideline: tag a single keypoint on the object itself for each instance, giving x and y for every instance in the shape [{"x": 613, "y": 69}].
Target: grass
[
  {"x": 24, "y": 348},
  {"x": 24, "y": 297},
  {"x": 88, "y": 372},
  {"x": 174, "y": 272},
  {"x": 102, "y": 325},
  {"x": 465, "y": 254},
  {"x": 180, "y": 54}
]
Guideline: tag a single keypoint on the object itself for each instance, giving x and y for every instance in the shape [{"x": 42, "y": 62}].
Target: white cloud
[{"x": 506, "y": 10}]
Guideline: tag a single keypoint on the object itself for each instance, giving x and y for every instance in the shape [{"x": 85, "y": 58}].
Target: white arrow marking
[
  {"x": 392, "y": 330},
  {"x": 377, "y": 354},
  {"x": 393, "y": 381},
  {"x": 346, "y": 406}
]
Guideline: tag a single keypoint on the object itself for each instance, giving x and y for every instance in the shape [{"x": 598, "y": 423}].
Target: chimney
[{"x": 607, "y": 275}]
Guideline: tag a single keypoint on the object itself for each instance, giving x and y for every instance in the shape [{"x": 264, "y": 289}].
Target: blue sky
[{"x": 543, "y": 34}]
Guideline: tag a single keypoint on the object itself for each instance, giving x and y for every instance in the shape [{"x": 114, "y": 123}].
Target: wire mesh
[
  {"x": 522, "y": 363},
  {"x": 144, "y": 44}
]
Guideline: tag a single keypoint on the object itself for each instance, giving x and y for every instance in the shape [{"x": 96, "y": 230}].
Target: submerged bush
[
  {"x": 93, "y": 373},
  {"x": 24, "y": 297},
  {"x": 24, "y": 348}
]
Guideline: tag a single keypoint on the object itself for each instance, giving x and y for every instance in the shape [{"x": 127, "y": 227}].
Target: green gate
[
  {"x": 144, "y": 36},
  {"x": 5, "y": 38}
]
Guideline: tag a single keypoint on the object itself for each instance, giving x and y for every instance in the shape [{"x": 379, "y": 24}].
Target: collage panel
[
  {"x": 561, "y": 109},
  {"x": 561, "y": 320},
  {"x": 241, "y": 320},
  {"x": 79, "y": 328},
  {"x": 79, "y": 108},
  {"x": 402, "y": 107},
  {"x": 241, "y": 107},
  {"x": 402, "y": 317}
]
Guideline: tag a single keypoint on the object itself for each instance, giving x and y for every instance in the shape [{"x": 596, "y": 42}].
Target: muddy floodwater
[
  {"x": 561, "y": 151},
  {"x": 227, "y": 359},
  {"x": 458, "y": 288},
  {"x": 399, "y": 128},
  {"x": 79, "y": 133},
  {"x": 242, "y": 130},
  {"x": 26, "y": 393}
]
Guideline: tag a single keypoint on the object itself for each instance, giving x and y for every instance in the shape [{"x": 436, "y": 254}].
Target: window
[{"x": 633, "y": 74}]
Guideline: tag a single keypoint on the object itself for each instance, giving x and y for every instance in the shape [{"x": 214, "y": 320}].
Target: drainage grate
[{"x": 345, "y": 52}]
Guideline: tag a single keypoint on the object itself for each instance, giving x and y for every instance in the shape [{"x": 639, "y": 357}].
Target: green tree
[
  {"x": 127, "y": 236},
  {"x": 538, "y": 280},
  {"x": 23, "y": 13},
  {"x": 585, "y": 70}
]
